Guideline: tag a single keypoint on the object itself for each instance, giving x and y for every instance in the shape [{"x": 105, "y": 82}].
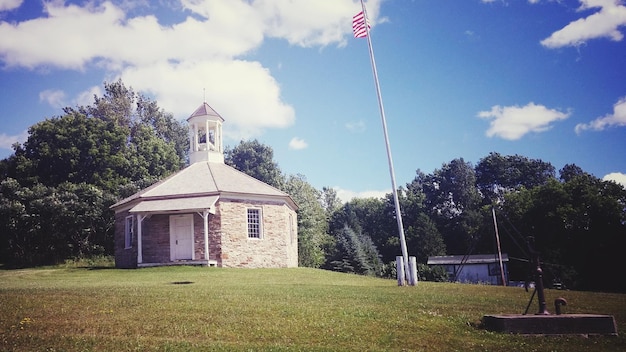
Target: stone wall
[{"x": 277, "y": 247}]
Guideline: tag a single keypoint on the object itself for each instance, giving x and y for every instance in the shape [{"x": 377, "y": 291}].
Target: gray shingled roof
[{"x": 206, "y": 179}]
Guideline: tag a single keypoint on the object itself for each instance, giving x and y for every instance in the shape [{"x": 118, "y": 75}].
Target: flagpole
[{"x": 405, "y": 254}]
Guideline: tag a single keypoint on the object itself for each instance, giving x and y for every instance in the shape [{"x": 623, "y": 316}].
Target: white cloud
[
  {"x": 77, "y": 35},
  {"x": 8, "y": 5},
  {"x": 243, "y": 93},
  {"x": 101, "y": 32},
  {"x": 57, "y": 98},
  {"x": 53, "y": 97},
  {"x": 297, "y": 144},
  {"x": 513, "y": 122},
  {"x": 617, "y": 118},
  {"x": 356, "y": 126},
  {"x": 311, "y": 23},
  {"x": 604, "y": 23},
  {"x": 176, "y": 62},
  {"x": 347, "y": 195},
  {"x": 617, "y": 177},
  {"x": 7, "y": 141}
]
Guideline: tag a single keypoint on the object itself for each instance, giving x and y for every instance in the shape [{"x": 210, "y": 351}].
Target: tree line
[
  {"x": 57, "y": 187},
  {"x": 573, "y": 220}
]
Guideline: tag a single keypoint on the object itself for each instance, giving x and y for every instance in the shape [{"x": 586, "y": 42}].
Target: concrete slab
[{"x": 579, "y": 324}]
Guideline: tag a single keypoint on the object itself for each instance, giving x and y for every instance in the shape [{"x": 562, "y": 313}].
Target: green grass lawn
[{"x": 195, "y": 308}]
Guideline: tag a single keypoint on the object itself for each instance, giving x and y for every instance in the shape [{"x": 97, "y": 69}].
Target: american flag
[{"x": 358, "y": 25}]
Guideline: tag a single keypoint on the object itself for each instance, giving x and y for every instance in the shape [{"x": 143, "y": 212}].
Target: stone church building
[{"x": 207, "y": 214}]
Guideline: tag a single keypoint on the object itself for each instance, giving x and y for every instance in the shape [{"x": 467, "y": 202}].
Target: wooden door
[{"x": 181, "y": 237}]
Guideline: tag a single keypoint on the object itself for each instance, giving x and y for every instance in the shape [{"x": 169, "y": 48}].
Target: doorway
[{"x": 181, "y": 237}]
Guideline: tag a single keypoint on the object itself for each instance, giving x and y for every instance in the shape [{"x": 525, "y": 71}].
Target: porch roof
[
  {"x": 206, "y": 178},
  {"x": 174, "y": 204}
]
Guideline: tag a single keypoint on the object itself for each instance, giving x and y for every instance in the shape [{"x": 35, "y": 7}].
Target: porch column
[
  {"x": 140, "y": 219},
  {"x": 205, "y": 217}
]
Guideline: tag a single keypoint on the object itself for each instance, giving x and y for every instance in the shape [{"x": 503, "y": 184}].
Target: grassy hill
[{"x": 193, "y": 308}]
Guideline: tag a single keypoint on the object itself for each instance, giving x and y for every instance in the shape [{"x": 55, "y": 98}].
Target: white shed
[{"x": 478, "y": 268}]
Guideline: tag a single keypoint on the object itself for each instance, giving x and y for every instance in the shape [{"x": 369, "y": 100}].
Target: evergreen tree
[{"x": 355, "y": 254}]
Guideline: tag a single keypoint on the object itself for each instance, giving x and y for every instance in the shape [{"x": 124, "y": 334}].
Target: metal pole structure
[
  {"x": 405, "y": 254},
  {"x": 495, "y": 224}
]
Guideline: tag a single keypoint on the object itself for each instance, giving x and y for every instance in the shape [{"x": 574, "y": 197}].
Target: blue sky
[{"x": 544, "y": 79}]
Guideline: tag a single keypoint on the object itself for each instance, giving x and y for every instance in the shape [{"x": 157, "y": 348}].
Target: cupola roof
[{"x": 205, "y": 110}]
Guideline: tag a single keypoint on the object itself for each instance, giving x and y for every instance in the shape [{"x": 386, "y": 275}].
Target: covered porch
[{"x": 174, "y": 231}]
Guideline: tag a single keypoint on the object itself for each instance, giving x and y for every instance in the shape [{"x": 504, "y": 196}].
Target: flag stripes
[{"x": 358, "y": 25}]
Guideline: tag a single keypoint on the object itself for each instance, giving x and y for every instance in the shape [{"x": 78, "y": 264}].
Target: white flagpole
[{"x": 405, "y": 254}]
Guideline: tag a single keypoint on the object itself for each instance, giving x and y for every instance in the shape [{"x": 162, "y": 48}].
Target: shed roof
[
  {"x": 205, "y": 179},
  {"x": 469, "y": 259}
]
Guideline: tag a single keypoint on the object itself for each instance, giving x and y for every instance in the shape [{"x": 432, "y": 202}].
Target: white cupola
[{"x": 205, "y": 135}]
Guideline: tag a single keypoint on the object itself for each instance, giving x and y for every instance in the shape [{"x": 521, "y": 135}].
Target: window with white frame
[
  {"x": 128, "y": 232},
  {"x": 255, "y": 228}
]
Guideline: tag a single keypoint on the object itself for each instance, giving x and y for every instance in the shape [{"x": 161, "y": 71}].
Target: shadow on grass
[
  {"x": 97, "y": 267},
  {"x": 4, "y": 266}
]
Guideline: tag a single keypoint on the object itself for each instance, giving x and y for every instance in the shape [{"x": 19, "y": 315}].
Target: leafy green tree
[
  {"x": 62, "y": 180},
  {"x": 422, "y": 236},
  {"x": 313, "y": 238},
  {"x": 134, "y": 112},
  {"x": 151, "y": 157},
  {"x": 110, "y": 144},
  {"x": 45, "y": 225},
  {"x": 497, "y": 174},
  {"x": 570, "y": 171},
  {"x": 595, "y": 223},
  {"x": 164, "y": 127},
  {"x": 73, "y": 148},
  {"x": 451, "y": 190},
  {"x": 330, "y": 201},
  {"x": 257, "y": 160},
  {"x": 116, "y": 105},
  {"x": 15, "y": 241},
  {"x": 577, "y": 226},
  {"x": 453, "y": 202}
]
